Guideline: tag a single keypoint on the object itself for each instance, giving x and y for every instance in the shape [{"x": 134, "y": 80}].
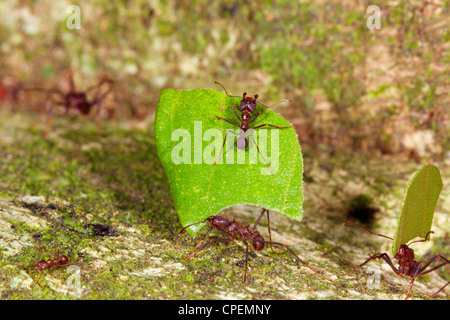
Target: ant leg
[
  {"x": 268, "y": 224},
  {"x": 182, "y": 230},
  {"x": 256, "y": 116},
  {"x": 234, "y": 124},
  {"x": 49, "y": 113},
  {"x": 421, "y": 271},
  {"x": 204, "y": 238},
  {"x": 223, "y": 145},
  {"x": 412, "y": 281},
  {"x": 438, "y": 290},
  {"x": 271, "y": 125},
  {"x": 378, "y": 255},
  {"x": 57, "y": 254},
  {"x": 60, "y": 278},
  {"x": 235, "y": 112},
  {"x": 207, "y": 243},
  {"x": 98, "y": 98},
  {"x": 44, "y": 250},
  {"x": 297, "y": 258},
  {"x": 260, "y": 216},
  {"x": 209, "y": 231},
  {"x": 98, "y": 101},
  {"x": 267, "y": 164},
  {"x": 368, "y": 230},
  {"x": 104, "y": 79},
  {"x": 71, "y": 81},
  {"x": 39, "y": 276},
  {"x": 246, "y": 259}
]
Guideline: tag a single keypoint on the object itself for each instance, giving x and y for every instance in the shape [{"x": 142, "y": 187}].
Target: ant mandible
[
  {"x": 407, "y": 265},
  {"x": 248, "y": 107},
  {"x": 233, "y": 229},
  {"x": 58, "y": 261}
]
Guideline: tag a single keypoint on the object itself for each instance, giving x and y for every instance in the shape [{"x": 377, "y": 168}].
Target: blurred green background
[{"x": 379, "y": 91}]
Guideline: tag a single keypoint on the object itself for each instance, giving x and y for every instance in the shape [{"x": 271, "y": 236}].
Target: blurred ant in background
[
  {"x": 77, "y": 100},
  {"x": 10, "y": 89}
]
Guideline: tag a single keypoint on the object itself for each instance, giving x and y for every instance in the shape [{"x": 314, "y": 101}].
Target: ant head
[
  {"x": 404, "y": 252},
  {"x": 248, "y": 103},
  {"x": 219, "y": 221},
  {"x": 63, "y": 259}
]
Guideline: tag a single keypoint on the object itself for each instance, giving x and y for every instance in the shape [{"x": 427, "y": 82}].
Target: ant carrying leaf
[
  {"x": 414, "y": 221},
  {"x": 235, "y": 231}
]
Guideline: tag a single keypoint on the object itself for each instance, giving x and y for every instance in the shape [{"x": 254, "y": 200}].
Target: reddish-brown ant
[
  {"x": 407, "y": 265},
  {"x": 10, "y": 89},
  {"x": 233, "y": 229},
  {"x": 2, "y": 92},
  {"x": 58, "y": 261},
  {"x": 247, "y": 106},
  {"x": 77, "y": 100}
]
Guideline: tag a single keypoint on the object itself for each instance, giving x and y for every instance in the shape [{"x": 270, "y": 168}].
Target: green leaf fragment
[
  {"x": 416, "y": 215},
  {"x": 188, "y": 144}
]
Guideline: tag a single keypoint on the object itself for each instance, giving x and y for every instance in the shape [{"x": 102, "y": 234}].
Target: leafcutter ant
[
  {"x": 78, "y": 100},
  {"x": 248, "y": 107},
  {"x": 233, "y": 230},
  {"x": 408, "y": 266},
  {"x": 10, "y": 90}
]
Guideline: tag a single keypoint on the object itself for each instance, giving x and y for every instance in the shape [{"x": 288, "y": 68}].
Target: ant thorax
[
  {"x": 404, "y": 254},
  {"x": 405, "y": 257},
  {"x": 78, "y": 101}
]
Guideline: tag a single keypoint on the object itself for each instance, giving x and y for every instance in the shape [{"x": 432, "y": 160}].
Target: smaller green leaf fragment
[{"x": 416, "y": 215}]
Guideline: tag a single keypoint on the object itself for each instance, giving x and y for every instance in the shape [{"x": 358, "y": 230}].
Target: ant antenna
[
  {"x": 375, "y": 234},
  {"x": 422, "y": 240},
  {"x": 222, "y": 87},
  {"x": 256, "y": 97},
  {"x": 182, "y": 230},
  {"x": 286, "y": 100}
]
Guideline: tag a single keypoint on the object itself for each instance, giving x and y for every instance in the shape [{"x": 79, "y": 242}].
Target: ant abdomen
[{"x": 258, "y": 243}]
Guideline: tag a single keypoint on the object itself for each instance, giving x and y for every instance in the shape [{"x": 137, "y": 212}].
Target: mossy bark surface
[{"x": 101, "y": 197}]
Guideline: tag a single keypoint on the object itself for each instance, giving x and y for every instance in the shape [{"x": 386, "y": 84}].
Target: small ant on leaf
[
  {"x": 233, "y": 230},
  {"x": 407, "y": 265},
  {"x": 248, "y": 107}
]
